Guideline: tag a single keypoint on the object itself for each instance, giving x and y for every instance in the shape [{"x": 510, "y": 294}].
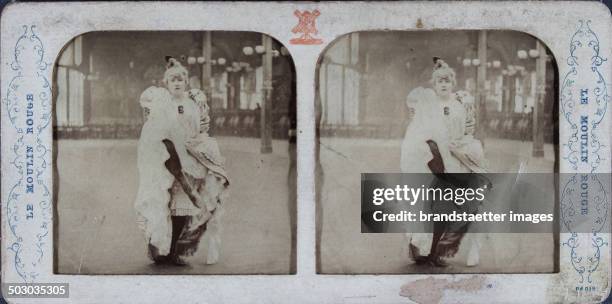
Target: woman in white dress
[
  {"x": 439, "y": 139},
  {"x": 182, "y": 180}
]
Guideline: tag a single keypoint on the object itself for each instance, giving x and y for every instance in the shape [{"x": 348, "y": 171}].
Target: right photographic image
[{"x": 426, "y": 102}]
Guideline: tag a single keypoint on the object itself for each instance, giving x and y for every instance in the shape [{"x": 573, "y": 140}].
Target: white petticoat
[{"x": 157, "y": 200}]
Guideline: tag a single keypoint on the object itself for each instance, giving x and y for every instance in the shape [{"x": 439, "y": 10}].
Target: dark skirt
[{"x": 453, "y": 231}]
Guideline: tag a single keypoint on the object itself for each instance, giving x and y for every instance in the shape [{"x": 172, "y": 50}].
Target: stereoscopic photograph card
[{"x": 312, "y": 152}]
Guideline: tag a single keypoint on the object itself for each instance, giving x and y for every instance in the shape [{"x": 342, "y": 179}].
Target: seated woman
[
  {"x": 440, "y": 139},
  {"x": 182, "y": 180}
]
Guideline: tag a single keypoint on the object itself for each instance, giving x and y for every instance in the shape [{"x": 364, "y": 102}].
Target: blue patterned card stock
[{"x": 28, "y": 202}]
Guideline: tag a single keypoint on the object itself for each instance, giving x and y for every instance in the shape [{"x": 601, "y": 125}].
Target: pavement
[
  {"x": 96, "y": 231},
  {"x": 343, "y": 249}
]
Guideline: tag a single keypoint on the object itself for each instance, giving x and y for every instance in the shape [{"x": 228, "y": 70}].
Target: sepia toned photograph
[
  {"x": 436, "y": 102},
  {"x": 174, "y": 153},
  {"x": 448, "y": 152}
]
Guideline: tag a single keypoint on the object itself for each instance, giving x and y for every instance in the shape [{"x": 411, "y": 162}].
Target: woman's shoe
[
  {"x": 156, "y": 257},
  {"x": 159, "y": 260},
  {"x": 421, "y": 260},
  {"x": 437, "y": 262},
  {"x": 413, "y": 252},
  {"x": 178, "y": 261}
]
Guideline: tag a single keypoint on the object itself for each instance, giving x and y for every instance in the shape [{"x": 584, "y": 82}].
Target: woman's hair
[
  {"x": 441, "y": 69},
  {"x": 174, "y": 67}
]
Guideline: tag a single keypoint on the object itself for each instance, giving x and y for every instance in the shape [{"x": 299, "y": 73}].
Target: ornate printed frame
[{"x": 33, "y": 34}]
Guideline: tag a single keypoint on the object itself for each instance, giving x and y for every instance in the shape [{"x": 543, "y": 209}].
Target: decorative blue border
[
  {"x": 28, "y": 212},
  {"x": 584, "y": 37},
  {"x": 585, "y": 260}
]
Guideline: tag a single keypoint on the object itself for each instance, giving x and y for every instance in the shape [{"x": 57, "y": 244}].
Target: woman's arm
[
  {"x": 200, "y": 99},
  {"x": 470, "y": 119},
  {"x": 468, "y": 103}
]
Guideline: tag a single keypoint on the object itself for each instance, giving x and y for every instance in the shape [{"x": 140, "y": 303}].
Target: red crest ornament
[{"x": 306, "y": 27}]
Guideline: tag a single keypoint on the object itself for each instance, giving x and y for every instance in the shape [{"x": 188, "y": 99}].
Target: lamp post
[
  {"x": 266, "y": 108},
  {"x": 538, "y": 106},
  {"x": 268, "y": 53},
  {"x": 539, "y": 54},
  {"x": 205, "y": 60},
  {"x": 481, "y": 94}
]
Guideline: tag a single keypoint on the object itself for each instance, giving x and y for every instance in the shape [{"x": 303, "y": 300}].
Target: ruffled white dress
[
  {"x": 185, "y": 123},
  {"x": 451, "y": 125}
]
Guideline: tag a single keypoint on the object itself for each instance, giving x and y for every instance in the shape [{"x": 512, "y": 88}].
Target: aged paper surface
[{"x": 34, "y": 34}]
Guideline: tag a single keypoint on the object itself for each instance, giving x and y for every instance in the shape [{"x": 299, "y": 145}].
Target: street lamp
[
  {"x": 247, "y": 50},
  {"x": 522, "y": 54},
  {"x": 267, "y": 54}
]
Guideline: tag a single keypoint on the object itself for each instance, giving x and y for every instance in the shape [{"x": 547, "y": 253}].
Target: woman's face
[
  {"x": 443, "y": 86},
  {"x": 177, "y": 84}
]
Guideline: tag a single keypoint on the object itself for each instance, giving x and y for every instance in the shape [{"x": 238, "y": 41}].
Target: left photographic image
[{"x": 174, "y": 153}]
